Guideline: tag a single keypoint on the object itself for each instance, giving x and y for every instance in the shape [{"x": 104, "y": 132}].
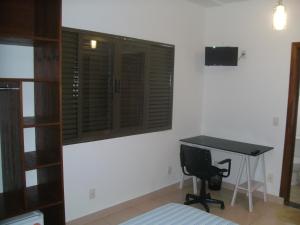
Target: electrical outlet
[
  {"x": 244, "y": 53},
  {"x": 270, "y": 178},
  {"x": 169, "y": 170},
  {"x": 92, "y": 193}
]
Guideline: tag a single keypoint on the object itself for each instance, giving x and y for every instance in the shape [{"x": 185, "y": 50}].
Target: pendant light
[{"x": 279, "y": 17}]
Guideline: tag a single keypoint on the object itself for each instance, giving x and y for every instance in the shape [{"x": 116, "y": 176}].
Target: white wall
[
  {"x": 124, "y": 168},
  {"x": 240, "y": 102},
  {"x": 232, "y": 102}
]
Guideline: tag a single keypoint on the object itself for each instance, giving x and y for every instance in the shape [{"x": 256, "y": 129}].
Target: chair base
[{"x": 193, "y": 199}]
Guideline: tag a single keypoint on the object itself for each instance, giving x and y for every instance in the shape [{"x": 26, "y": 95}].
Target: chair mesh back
[{"x": 195, "y": 160}]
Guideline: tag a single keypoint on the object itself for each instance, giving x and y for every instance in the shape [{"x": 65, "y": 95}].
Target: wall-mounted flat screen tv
[{"x": 221, "y": 56}]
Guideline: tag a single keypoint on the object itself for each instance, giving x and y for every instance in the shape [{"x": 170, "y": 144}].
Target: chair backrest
[{"x": 194, "y": 160}]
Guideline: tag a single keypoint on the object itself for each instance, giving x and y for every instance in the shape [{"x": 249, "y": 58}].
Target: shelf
[
  {"x": 26, "y": 40},
  {"x": 37, "y": 198},
  {"x": 41, "y": 159},
  {"x": 40, "y": 81},
  {"x": 29, "y": 122},
  {"x": 13, "y": 84},
  {"x": 37, "y": 24},
  {"x": 11, "y": 204},
  {"x": 42, "y": 196},
  {"x": 254, "y": 185},
  {"x": 54, "y": 215},
  {"x": 29, "y": 80}
]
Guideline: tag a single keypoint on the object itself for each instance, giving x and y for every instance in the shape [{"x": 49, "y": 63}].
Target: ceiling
[{"x": 212, "y": 3}]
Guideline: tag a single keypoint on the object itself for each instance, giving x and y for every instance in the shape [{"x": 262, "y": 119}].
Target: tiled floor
[
  {"x": 295, "y": 193},
  {"x": 263, "y": 214}
]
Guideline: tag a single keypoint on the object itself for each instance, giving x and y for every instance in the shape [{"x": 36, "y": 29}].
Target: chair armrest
[
  {"x": 226, "y": 170},
  {"x": 185, "y": 172},
  {"x": 225, "y": 161}
]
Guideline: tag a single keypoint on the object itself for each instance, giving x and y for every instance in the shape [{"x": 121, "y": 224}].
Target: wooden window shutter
[
  {"x": 96, "y": 77},
  {"x": 70, "y": 82},
  {"x": 119, "y": 87},
  {"x": 131, "y": 86},
  {"x": 160, "y": 87}
]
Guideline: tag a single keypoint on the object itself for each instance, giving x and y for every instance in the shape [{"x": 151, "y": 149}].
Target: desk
[{"x": 245, "y": 150}]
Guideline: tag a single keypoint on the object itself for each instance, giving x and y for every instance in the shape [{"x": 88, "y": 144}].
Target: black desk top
[{"x": 227, "y": 145}]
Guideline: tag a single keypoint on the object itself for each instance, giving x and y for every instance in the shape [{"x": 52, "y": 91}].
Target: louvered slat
[
  {"x": 125, "y": 86},
  {"x": 97, "y": 72},
  {"x": 70, "y": 101},
  {"x": 160, "y": 85},
  {"x": 133, "y": 60}
]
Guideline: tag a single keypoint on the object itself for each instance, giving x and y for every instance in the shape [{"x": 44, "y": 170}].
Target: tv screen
[{"x": 221, "y": 56}]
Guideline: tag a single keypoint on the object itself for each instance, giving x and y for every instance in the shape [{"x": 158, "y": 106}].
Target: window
[{"x": 114, "y": 86}]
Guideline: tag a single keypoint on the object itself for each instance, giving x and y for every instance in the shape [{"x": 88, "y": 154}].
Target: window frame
[{"x": 114, "y": 133}]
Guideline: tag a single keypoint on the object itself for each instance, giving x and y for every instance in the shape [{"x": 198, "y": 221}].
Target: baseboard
[{"x": 188, "y": 182}]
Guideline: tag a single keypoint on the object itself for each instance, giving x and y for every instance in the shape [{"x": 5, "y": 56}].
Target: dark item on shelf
[{"x": 215, "y": 183}]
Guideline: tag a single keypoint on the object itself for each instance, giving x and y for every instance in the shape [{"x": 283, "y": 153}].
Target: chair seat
[{"x": 212, "y": 171}]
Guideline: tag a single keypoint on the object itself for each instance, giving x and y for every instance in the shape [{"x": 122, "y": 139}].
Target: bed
[{"x": 177, "y": 214}]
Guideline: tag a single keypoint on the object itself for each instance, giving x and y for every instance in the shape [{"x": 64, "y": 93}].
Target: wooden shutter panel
[
  {"x": 123, "y": 86},
  {"x": 96, "y": 73},
  {"x": 70, "y": 79},
  {"x": 133, "y": 61},
  {"x": 160, "y": 87}
]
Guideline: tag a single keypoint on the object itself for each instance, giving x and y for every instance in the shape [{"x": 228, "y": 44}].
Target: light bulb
[
  {"x": 93, "y": 44},
  {"x": 279, "y": 17}
]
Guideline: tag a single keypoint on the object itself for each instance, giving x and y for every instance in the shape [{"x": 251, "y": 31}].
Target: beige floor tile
[
  {"x": 295, "y": 193},
  {"x": 289, "y": 216},
  {"x": 263, "y": 214},
  {"x": 177, "y": 197},
  {"x": 277, "y": 214},
  {"x": 99, "y": 222},
  {"x": 149, "y": 205},
  {"x": 123, "y": 215},
  {"x": 240, "y": 215},
  {"x": 268, "y": 221}
]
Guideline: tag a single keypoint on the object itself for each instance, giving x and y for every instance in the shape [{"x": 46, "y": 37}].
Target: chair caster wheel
[
  {"x": 222, "y": 206},
  {"x": 188, "y": 197}
]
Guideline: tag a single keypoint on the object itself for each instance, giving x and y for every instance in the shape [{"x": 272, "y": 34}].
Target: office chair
[{"x": 197, "y": 162}]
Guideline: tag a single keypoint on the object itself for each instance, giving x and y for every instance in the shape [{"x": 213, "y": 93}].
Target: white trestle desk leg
[
  {"x": 181, "y": 181},
  {"x": 195, "y": 185},
  {"x": 249, "y": 184},
  {"x": 255, "y": 167},
  {"x": 240, "y": 173},
  {"x": 265, "y": 178}
]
